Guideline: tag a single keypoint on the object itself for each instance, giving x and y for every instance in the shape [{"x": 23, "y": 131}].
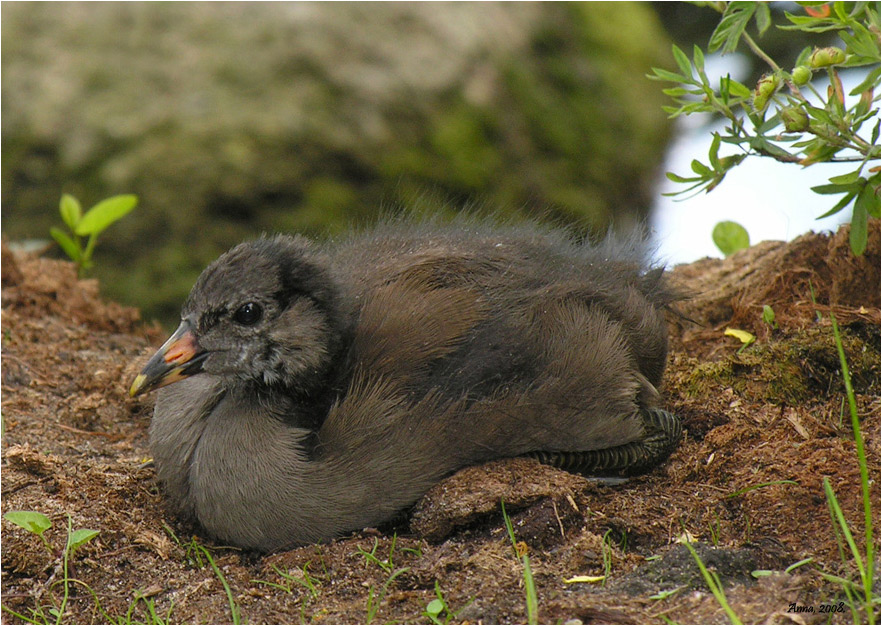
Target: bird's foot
[{"x": 662, "y": 432}]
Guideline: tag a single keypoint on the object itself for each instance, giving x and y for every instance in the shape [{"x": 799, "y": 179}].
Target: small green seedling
[
  {"x": 38, "y": 524},
  {"x": 75, "y": 538},
  {"x": 769, "y": 316},
  {"x": 437, "y": 607},
  {"x": 32, "y": 522},
  {"x": 439, "y": 611},
  {"x": 375, "y": 598},
  {"x": 762, "y": 573},
  {"x": 306, "y": 581},
  {"x": 371, "y": 557},
  {"x": 664, "y": 595},
  {"x": 607, "y": 553},
  {"x": 91, "y": 224},
  {"x": 434, "y": 610},
  {"x": 520, "y": 550},
  {"x": 740, "y": 492}
]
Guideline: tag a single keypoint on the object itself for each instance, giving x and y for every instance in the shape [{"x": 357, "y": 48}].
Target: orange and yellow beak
[{"x": 179, "y": 357}]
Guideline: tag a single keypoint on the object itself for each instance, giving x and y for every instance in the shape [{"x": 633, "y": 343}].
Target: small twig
[
  {"x": 29, "y": 367},
  {"x": 116, "y": 552},
  {"x": 759, "y": 52},
  {"x": 111, "y": 436},
  {"x": 559, "y": 523}
]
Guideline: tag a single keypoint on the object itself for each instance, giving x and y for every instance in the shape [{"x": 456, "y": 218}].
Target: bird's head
[{"x": 266, "y": 312}]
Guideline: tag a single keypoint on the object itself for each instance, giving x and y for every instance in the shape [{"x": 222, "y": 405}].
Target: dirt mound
[{"x": 764, "y": 426}]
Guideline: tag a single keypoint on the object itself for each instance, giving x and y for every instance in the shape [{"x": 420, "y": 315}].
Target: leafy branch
[{"x": 784, "y": 117}]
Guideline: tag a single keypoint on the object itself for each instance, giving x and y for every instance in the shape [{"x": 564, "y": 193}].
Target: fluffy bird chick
[{"x": 322, "y": 388}]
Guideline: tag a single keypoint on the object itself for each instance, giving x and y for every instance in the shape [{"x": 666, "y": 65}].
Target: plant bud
[
  {"x": 765, "y": 89},
  {"x": 760, "y": 102},
  {"x": 767, "y": 85},
  {"x": 825, "y": 57},
  {"x": 801, "y": 75},
  {"x": 795, "y": 119}
]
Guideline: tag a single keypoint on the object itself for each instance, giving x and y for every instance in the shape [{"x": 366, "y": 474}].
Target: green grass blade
[
  {"x": 529, "y": 584},
  {"x": 713, "y": 583},
  {"x": 530, "y": 589},
  {"x": 867, "y": 577},
  {"x": 234, "y": 608}
]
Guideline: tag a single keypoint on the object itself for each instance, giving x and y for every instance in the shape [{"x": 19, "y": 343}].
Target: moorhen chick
[{"x": 322, "y": 388}]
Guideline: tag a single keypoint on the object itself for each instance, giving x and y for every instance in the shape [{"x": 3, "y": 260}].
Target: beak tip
[{"x": 137, "y": 385}]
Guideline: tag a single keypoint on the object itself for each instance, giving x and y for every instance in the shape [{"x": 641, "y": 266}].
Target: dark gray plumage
[{"x": 324, "y": 388}]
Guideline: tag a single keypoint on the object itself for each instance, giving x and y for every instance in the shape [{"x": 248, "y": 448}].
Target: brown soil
[{"x": 75, "y": 445}]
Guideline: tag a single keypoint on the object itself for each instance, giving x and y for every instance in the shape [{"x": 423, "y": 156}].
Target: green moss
[
  {"x": 463, "y": 144},
  {"x": 791, "y": 369},
  {"x": 708, "y": 376},
  {"x": 329, "y": 203}
]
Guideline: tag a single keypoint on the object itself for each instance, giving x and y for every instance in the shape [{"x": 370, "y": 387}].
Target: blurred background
[{"x": 233, "y": 119}]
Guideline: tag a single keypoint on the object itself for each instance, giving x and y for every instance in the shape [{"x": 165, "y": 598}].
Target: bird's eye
[{"x": 248, "y": 314}]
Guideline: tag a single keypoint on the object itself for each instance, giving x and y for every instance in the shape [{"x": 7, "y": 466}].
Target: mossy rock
[
  {"x": 792, "y": 368},
  {"x": 230, "y": 119}
]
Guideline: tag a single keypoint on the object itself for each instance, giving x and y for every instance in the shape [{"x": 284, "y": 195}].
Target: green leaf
[
  {"x": 70, "y": 247},
  {"x": 737, "y": 140},
  {"x": 70, "y": 210},
  {"x": 864, "y": 48},
  {"x": 763, "y": 17},
  {"x": 768, "y": 314},
  {"x": 31, "y": 521},
  {"x": 846, "y": 179},
  {"x": 79, "y": 537},
  {"x": 698, "y": 58},
  {"x": 730, "y": 237},
  {"x": 859, "y": 216},
  {"x": 105, "y": 213},
  {"x": 819, "y": 114},
  {"x": 875, "y": 208},
  {"x": 682, "y": 61},
  {"x": 735, "y": 88},
  {"x": 728, "y": 32},
  {"x": 675, "y": 92},
  {"x": 712, "y": 153},
  {"x": 868, "y": 83},
  {"x": 769, "y": 124},
  {"x": 808, "y": 24},
  {"x": 803, "y": 57},
  {"x": 661, "y": 74},
  {"x": 844, "y": 202},
  {"x": 701, "y": 169},
  {"x": 672, "y": 194},
  {"x": 682, "y": 179},
  {"x": 764, "y": 146},
  {"x": 829, "y": 190}
]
